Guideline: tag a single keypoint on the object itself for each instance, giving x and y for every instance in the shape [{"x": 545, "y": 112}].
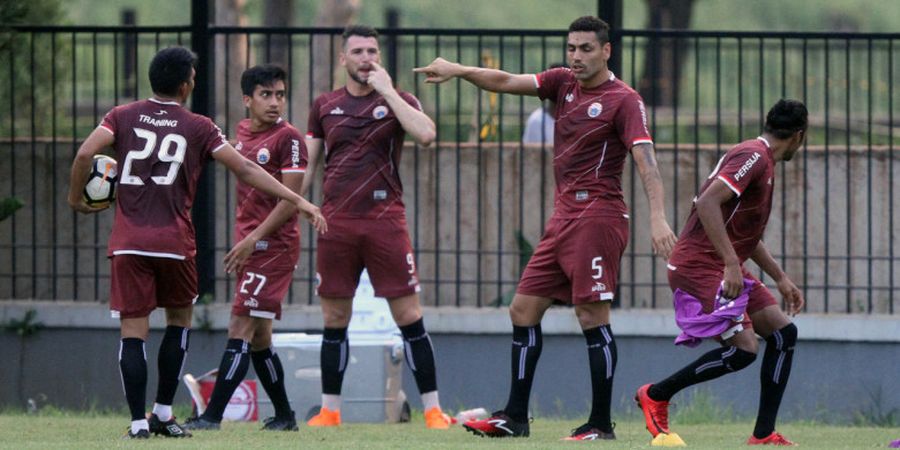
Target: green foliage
[
  {"x": 876, "y": 413},
  {"x": 701, "y": 408},
  {"x": 8, "y": 206},
  {"x": 32, "y": 63},
  {"x": 25, "y": 327}
]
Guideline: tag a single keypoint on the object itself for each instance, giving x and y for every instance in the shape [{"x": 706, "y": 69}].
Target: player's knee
[
  {"x": 739, "y": 359},
  {"x": 260, "y": 341},
  {"x": 788, "y": 337},
  {"x": 336, "y": 317}
]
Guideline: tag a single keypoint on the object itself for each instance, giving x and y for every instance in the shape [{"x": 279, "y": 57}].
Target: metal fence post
[
  {"x": 611, "y": 13},
  {"x": 204, "y": 209}
]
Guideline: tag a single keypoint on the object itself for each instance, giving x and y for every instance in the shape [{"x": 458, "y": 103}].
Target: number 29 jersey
[{"x": 161, "y": 148}]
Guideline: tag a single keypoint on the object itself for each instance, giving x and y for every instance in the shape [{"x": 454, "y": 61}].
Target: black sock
[
  {"x": 776, "y": 369},
  {"x": 713, "y": 364},
  {"x": 268, "y": 368},
  {"x": 170, "y": 362},
  {"x": 232, "y": 371},
  {"x": 602, "y": 356},
  {"x": 133, "y": 367},
  {"x": 333, "y": 359},
  {"x": 420, "y": 355},
  {"x": 526, "y": 349}
]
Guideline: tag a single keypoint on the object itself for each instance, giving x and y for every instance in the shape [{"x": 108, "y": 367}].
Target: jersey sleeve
[
  {"x": 215, "y": 139},
  {"x": 314, "y": 128},
  {"x": 631, "y": 121},
  {"x": 109, "y": 121},
  {"x": 412, "y": 100},
  {"x": 741, "y": 168},
  {"x": 292, "y": 155},
  {"x": 548, "y": 82}
]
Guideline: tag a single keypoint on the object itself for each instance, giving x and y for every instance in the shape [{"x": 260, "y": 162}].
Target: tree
[{"x": 663, "y": 57}]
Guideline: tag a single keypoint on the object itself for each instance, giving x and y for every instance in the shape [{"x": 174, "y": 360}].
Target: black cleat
[
  {"x": 199, "y": 423},
  {"x": 141, "y": 434},
  {"x": 588, "y": 432},
  {"x": 169, "y": 428},
  {"x": 498, "y": 425},
  {"x": 281, "y": 423}
]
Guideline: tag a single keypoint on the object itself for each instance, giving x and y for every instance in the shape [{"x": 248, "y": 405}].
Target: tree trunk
[
  {"x": 663, "y": 57},
  {"x": 229, "y": 107},
  {"x": 278, "y": 13},
  {"x": 332, "y": 13}
]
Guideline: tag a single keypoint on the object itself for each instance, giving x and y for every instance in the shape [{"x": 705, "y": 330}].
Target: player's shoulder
[
  {"x": 748, "y": 147},
  {"x": 285, "y": 131},
  {"x": 330, "y": 96},
  {"x": 624, "y": 89}
]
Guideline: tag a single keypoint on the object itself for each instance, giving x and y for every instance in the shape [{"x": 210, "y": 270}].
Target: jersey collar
[
  {"x": 162, "y": 102},
  {"x": 764, "y": 141}
]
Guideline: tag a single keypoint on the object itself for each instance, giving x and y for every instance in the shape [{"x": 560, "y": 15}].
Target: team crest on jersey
[
  {"x": 569, "y": 98},
  {"x": 379, "y": 112},
  {"x": 239, "y": 146},
  {"x": 595, "y": 109},
  {"x": 263, "y": 156}
]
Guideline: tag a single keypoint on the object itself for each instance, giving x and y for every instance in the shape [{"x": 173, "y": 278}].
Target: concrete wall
[
  {"x": 843, "y": 365},
  {"x": 465, "y": 204}
]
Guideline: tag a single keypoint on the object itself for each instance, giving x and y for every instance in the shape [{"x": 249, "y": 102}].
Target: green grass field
[{"x": 74, "y": 431}]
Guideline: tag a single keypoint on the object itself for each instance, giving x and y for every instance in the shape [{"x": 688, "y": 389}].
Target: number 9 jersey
[{"x": 161, "y": 148}]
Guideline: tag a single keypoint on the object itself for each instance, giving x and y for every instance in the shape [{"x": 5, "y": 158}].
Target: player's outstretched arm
[
  {"x": 709, "y": 210},
  {"x": 441, "y": 70},
  {"x": 663, "y": 239},
  {"x": 281, "y": 213},
  {"x": 415, "y": 122},
  {"x": 313, "y": 151},
  {"x": 250, "y": 173},
  {"x": 81, "y": 168},
  {"x": 793, "y": 296}
]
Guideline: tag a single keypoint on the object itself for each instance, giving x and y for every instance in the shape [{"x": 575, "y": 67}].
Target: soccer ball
[{"x": 100, "y": 189}]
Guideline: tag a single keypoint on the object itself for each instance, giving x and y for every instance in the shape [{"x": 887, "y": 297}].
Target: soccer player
[
  {"x": 265, "y": 253},
  {"x": 161, "y": 148},
  {"x": 362, "y": 126},
  {"x": 723, "y": 230},
  {"x": 599, "y": 121}
]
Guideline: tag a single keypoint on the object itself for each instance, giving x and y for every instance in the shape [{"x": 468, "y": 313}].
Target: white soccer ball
[{"x": 100, "y": 189}]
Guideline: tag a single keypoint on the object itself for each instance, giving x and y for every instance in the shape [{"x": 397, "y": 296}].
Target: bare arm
[
  {"x": 283, "y": 211},
  {"x": 663, "y": 240},
  {"x": 709, "y": 210},
  {"x": 793, "y": 296},
  {"x": 250, "y": 173},
  {"x": 414, "y": 122},
  {"x": 313, "y": 150},
  {"x": 81, "y": 168},
  {"x": 441, "y": 70}
]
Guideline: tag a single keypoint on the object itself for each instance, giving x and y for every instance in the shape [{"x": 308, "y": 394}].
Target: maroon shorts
[
  {"x": 140, "y": 284},
  {"x": 703, "y": 284},
  {"x": 260, "y": 291},
  {"x": 381, "y": 246},
  {"x": 577, "y": 260}
]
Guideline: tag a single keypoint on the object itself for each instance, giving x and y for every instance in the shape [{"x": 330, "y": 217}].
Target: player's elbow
[{"x": 426, "y": 138}]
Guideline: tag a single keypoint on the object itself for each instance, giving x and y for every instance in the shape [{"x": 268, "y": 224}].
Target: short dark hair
[
  {"x": 169, "y": 68},
  {"x": 591, "y": 24},
  {"x": 262, "y": 75},
  {"x": 359, "y": 30},
  {"x": 786, "y": 118}
]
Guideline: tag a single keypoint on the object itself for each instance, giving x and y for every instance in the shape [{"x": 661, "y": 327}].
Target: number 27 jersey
[{"x": 161, "y": 148}]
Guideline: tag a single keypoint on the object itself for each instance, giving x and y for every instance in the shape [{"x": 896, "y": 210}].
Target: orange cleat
[
  {"x": 435, "y": 419},
  {"x": 326, "y": 418},
  {"x": 773, "y": 439},
  {"x": 656, "y": 414}
]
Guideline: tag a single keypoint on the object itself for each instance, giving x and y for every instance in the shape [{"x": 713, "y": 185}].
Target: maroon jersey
[
  {"x": 363, "y": 140},
  {"x": 279, "y": 149},
  {"x": 748, "y": 169},
  {"x": 594, "y": 131},
  {"x": 161, "y": 148}
]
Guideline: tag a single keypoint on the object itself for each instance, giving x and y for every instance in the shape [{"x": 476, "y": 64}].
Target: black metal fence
[{"x": 478, "y": 200}]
